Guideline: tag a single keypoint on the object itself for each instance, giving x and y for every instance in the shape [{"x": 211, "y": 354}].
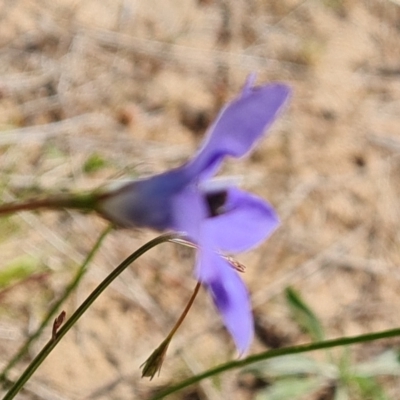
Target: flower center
[{"x": 216, "y": 201}]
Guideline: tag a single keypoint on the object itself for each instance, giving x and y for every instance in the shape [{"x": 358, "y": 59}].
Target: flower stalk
[{"x": 154, "y": 363}]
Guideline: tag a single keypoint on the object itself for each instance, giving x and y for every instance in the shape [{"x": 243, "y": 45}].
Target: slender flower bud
[{"x": 154, "y": 363}]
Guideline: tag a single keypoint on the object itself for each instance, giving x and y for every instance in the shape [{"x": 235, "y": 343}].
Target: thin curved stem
[
  {"x": 185, "y": 311},
  {"x": 70, "y": 288},
  {"x": 277, "y": 353},
  {"x": 154, "y": 363},
  {"x": 51, "y": 344}
]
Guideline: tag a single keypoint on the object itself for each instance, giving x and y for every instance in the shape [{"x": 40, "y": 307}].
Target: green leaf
[
  {"x": 94, "y": 163},
  {"x": 385, "y": 364},
  {"x": 370, "y": 389},
  {"x": 18, "y": 269},
  {"x": 290, "y": 389},
  {"x": 303, "y": 315},
  {"x": 295, "y": 364}
]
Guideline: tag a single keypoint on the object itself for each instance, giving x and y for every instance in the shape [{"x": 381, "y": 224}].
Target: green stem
[
  {"x": 277, "y": 353},
  {"x": 70, "y": 288},
  {"x": 82, "y": 201},
  {"x": 32, "y": 367}
]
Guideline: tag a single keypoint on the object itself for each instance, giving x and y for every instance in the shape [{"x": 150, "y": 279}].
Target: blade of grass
[{"x": 304, "y": 315}]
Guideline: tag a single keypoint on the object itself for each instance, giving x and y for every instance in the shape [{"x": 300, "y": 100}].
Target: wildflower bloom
[{"x": 218, "y": 217}]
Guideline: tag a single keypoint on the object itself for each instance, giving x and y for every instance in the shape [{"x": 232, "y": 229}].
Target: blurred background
[{"x": 93, "y": 91}]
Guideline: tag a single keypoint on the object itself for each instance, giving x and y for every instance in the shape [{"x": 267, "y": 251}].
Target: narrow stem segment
[
  {"x": 154, "y": 363},
  {"x": 85, "y": 201},
  {"x": 185, "y": 311}
]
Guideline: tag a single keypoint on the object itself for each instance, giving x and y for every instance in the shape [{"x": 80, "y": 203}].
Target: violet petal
[
  {"x": 247, "y": 220},
  {"x": 145, "y": 202},
  {"x": 230, "y": 297},
  {"x": 238, "y": 127},
  {"x": 189, "y": 211}
]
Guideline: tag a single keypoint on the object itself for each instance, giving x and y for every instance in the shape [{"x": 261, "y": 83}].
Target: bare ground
[{"x": 134, "y": 85}]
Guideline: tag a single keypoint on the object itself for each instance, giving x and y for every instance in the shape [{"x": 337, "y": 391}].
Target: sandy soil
[{"x": 134, "y": 85}]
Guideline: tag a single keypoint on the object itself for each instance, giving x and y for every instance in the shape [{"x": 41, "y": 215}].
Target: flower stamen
[{"x": 235, "y": 264}]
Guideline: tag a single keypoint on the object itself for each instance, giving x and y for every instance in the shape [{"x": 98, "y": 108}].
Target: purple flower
[{"x": 215, "y": 215}]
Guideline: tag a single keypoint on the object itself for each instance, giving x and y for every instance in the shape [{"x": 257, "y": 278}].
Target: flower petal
[
  {"x": 145, "y": 202},
  {"x": 189, "y": 211},
  {"x": 246, "y": 221},
  {"x": 230, "y": 297},
  {"x": 239, "y": 125}
]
